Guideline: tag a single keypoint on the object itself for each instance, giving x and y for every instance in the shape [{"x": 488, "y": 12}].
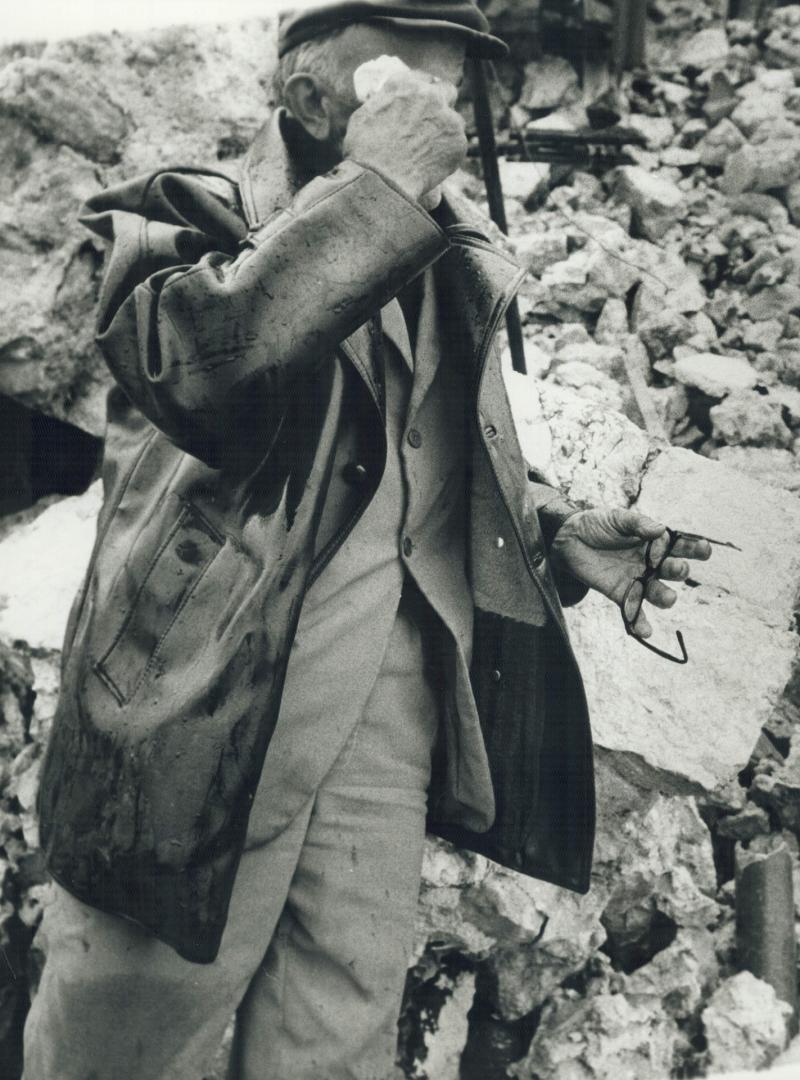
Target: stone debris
[
  {"x": 744, "y": 1023},
  {"x": 656, "y": 201}
]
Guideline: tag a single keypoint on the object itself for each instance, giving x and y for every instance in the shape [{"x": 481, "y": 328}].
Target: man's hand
[
  {"x": 409, "y": 131},
  {"x": 605, "y": 550}
]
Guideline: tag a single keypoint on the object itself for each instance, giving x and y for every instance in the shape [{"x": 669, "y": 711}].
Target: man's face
[{"x": 437, "y": 54}]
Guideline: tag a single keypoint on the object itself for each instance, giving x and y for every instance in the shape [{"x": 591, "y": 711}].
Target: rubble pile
[
  {"x": 678, "y": 274},
  {"x": 692, "y": 252}
]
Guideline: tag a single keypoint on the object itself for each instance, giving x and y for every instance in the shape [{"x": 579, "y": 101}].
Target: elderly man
[{"x": 322, "y": 610}]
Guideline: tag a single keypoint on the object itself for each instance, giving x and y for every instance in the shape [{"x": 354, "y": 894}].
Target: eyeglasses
[{"x": 655, "y": 553}]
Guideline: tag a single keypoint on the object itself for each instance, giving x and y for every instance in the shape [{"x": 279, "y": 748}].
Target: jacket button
[
  {"x": 354, "y": 473},
  {"x": 496, "y": 676},
  {"x": 408, "y": 546},
  {"x": 538, "y": 558},
  {"x": 414, "y": 438},
  {"x": 499, "y": 542},
  {"x": 490, "y": 431}
]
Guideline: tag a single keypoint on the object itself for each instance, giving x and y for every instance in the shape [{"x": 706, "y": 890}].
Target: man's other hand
[
  {"x": 605, "y": 549},
  {"x": 409, "y": 131}
]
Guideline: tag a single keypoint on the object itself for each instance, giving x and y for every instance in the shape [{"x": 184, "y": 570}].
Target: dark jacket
[{"x": 232, "y": 318}]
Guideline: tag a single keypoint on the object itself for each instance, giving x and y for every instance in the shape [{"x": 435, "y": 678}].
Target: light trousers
[{"x": 315, "y": 951}]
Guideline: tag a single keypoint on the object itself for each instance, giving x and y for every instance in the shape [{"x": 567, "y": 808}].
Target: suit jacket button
[
  {"x": 414, "y": 438},
  {"x": 408, "y": 546},
  {"x": 354, "y": 473},
  {"x": 538, "y": 559}
]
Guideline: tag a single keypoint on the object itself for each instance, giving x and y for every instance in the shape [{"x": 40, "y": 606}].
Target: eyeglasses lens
[{"x": 632, "y": 603}]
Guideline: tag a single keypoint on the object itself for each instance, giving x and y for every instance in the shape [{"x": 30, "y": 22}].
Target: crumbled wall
[{"x": 684, "y": 268}]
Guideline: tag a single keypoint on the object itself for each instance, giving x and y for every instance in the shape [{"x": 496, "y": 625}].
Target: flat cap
[{"x": 461, "y": 17}]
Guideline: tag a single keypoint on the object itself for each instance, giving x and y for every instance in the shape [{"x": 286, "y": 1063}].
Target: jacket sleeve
[
  {"x": 553, "y": 508},
  {"x": 207, "y": 326}
]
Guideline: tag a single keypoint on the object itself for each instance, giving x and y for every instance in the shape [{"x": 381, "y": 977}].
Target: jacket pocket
[{"x": 167, "y": 583}]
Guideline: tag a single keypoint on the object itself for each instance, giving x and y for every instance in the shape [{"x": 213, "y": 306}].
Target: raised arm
[{"x": 207, "y": 326}]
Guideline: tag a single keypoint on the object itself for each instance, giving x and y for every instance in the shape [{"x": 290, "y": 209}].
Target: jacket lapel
[{"x": 394, "y": 327}]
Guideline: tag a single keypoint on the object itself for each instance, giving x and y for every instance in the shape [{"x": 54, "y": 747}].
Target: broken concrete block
[
  {"x": 773, "y": 163},
  {"x": 548, "y": 83},
  {"x": 745, "y": 1023},
  {"x": 679, "y": 976},
  {"x": 719, "y": 143},
  {"x": 62, "y": 105},
  {"x": 715, "y": 375},
  {"x": 699, "y": 723},
  {"x": 42, "y": 566},
  {"x": 657, "y": 202},
  {"x": 706, "y": 48},
  {"x": 748, "y": 418},
  {"x": 604, "y": 1037}
]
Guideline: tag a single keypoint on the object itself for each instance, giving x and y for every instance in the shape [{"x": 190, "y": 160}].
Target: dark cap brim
[{"x": 479, "y": 45}]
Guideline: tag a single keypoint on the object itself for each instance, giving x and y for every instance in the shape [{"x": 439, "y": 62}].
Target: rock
[
  {"x": 715, "y": 375},
  {"x": 672, "y": 405},
  {"x": 680, "y": 157},
  {"x": 675, "y": 94},
  {"x": 594, "y": 454},
  {"x": 703, "y": 327},
  {"x": 64, "y": 106},
  {"x": 721, "y": 99},
  {"x": 444, "y": 1044},
  {"x": 658, "y": 130},
  {"x": 783, "y": 42},
  {"x": 606, "y": 359},
  {"x": 693, "y": 131},
  {"x": 662, "y": 331},
  {"x": 469, "y": 904},
  {"x": 585, "y": 280},
  {"x": 761, "y": 336},
  {"x": 745, "y": 1023},
  {"x": 748, "y": 823},
  {"x": 523, "y": 180},
  {"x": 657, "y": 203},
  {"x": 590, "y": 383},
  {"x": 779, "y": 790},
  {"x": 41, "y": 568},
  {"x": 790, "y": 1056},
  {"x": 721, "y": 141},
  {"x": 778, "y": 301},
  {"x": 771, "y": 80},
  {"x": 548, "y": 83},
  {"x": 706, "y": 48},
  {"x": 792, "y": 198},
  {"x": 758, "y": 110},
  {"x": 777, "y": 468},
  {"x": 84, "y": 114},
  {"x": 613, "y": 322},
  {"x": 602, "y": 1038},
  {"x": 748, "y": 418},
  {"x": 669, "y": 727},
  {"x": 773, "y": 163},
  {"x": 679, "y": 976},
  {"x": 537, "y": 251},
  {"x": 649, "y": 887},
  {"x": 764, "y": 207}
]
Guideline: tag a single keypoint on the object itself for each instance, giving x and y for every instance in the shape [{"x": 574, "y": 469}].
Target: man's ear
[{"x": 309, "y": 104}]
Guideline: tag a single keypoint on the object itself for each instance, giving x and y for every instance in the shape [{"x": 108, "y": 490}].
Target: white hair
[{"x": 316, "y": 58}]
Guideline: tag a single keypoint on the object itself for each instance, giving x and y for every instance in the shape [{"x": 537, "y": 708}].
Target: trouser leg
[
  {"x": 325, "y": 1002},
  {"x": 117, "y": 1004}
]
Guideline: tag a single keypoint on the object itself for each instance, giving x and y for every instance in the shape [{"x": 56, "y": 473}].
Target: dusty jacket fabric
[{"x": 235, "y": 319}]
